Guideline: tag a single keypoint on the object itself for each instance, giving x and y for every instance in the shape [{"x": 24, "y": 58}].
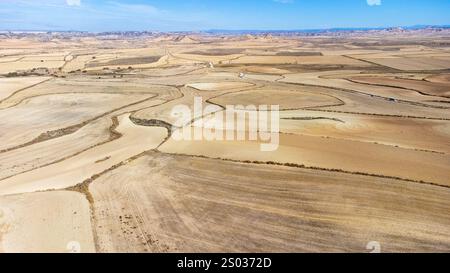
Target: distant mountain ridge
[
  {"x": 239, "y": 32},
  {"x": 324, "y": 30}
]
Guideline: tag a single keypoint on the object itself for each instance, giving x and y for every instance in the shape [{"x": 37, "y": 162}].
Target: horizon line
[{"x": 407, "y": 27}]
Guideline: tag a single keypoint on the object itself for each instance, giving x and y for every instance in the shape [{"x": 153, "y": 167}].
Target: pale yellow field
[
  {"x": 89, "y": 161},
  {"x": 8, "y": 86},
  {"x": 46, "y": 222},
  {"x": 165, "y": 203},
  {"x": 414, "y": 63}
]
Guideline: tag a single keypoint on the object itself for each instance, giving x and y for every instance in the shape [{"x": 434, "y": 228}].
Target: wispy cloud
[
  {"x": 42, "y": 3},
  {"x": 133, "y": 8},
  {"x": 374, "y": 2},
  {"x": 73, "y": 2},
  {"x": 109, "y": 15},
  {"x": 284, "y": 1}
]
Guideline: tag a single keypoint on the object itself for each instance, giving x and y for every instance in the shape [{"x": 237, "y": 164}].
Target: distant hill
[
  {"x": 318, "y": 31},
  {"x": 186, "y": 36},
  {"x": 184, "y": 39}
]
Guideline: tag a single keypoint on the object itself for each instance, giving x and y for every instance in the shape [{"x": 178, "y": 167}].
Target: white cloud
[
  {"x": 374, "y": 2},
  {"x": 73, "y": 2}
]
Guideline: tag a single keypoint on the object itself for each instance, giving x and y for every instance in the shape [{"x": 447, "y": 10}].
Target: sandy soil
[
  {"x": 414, "y": 63},
  {"x": 45, "y": 222},
  {"x": 163, "y": 203},
  {"x": 86, "y": 154},
  {"x": 82, "y": 86},
  {"x": 321, "y": 60},
  {"x": 75, "y": 170},
  {"x": 28, "y": 120},
  {"x": 418, "y": 134},
  {"x": 47, "y": 152},
  {"x": 215, "y": 86},
  {"x": 427, "y": 88},
  {"x": 10, "y": 85},
  {"x": 286, "y": 99},
  {"x": 361, "y": 98},
  {"x": 310, "y": 151}
]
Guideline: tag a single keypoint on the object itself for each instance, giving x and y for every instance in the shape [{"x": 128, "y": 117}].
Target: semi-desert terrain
[{"x": 87, "y": 161}]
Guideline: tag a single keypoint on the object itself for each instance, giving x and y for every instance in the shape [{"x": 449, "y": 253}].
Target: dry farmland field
[{"x": 88, "y": 158}]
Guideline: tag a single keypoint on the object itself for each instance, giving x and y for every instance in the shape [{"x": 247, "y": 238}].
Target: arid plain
[{"x": 87, "y": 159}]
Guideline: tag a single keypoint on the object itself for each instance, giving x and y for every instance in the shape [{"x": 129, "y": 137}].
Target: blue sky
[{"x": 173, "y": 15}]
